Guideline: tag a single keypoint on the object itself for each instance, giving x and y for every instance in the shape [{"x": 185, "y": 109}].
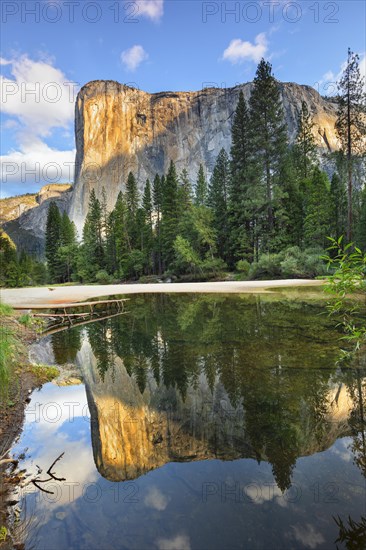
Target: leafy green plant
[
  {"x": 3, "y": 533},
  {"x": 348, "y": 264}
]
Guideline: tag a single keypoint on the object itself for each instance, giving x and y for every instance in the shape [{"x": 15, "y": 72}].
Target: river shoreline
[{"x": 29, "y": 297}]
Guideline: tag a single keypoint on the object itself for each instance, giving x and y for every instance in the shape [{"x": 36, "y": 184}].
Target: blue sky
[{"x": 53, "y": 47}]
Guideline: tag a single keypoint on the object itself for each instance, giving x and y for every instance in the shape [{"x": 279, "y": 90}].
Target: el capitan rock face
[{"x": 120, "y": 129}]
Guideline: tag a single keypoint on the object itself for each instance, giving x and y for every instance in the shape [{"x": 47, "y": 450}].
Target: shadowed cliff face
[{"x": 120, "y": 129}]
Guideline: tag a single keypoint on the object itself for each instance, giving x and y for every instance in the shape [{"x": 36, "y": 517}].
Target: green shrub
[
  {"x": 267, "y": 267},
  {"x": 103, "y": 278},
  {"x": 243, "y": 266},
  {"x": 290, "y": 263}
]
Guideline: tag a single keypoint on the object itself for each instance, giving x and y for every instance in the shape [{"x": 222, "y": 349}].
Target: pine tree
[
  {"x": 53, "y": 241},
  {"x": 132, "y": 199},
  {"x": 185, "y": 190},
  {"x": 218, "y": 202},
  {"x": 350, "y": 125},
  {"x": 290, "y": 218},
  {"x": 147, "y": 204},
  {"x": 132, "y": 195},
  {"x": 317, "y": 212},
  {"x": 119, "y": 239},
  {"x": 268, "y": 139},
  {"x": 68, "y": 249},
  {"x": 305, "y": 149},
  {"x": 201, "y": 188},
  {"x": 104, "y": 210},
  {"x": 157, "y": 196},
  {"x": 68, "y": 231},
  {"x": 170, "y": 215},
  {"x": 93, "y": 245},
  {"x": 243, "y": 194},
  {"x": 338, "y": 200},
  {"x": 147, "y": 225}
]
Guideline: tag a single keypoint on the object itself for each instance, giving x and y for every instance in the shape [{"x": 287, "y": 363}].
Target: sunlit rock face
[
  {"x": 120, "y": 129},
  {"x": 134, "y": 432},
  {"x": 25, "y": 222}
]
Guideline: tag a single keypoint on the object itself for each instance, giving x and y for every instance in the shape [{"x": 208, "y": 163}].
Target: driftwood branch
[{"x": 36, "y": 481}]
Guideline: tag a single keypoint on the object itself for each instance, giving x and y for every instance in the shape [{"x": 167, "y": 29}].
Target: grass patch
[
  {"x": 8, "y": 345},
  {"x": 44, "y": 373},
  {"x": 5, "y": 309},
  {"x": 26, "y": 319}
]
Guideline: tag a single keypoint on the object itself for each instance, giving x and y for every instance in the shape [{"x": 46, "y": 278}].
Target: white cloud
[
  {"x": 307, "y": 535},
  {"x": 327, "y": 84},
  {"x": 180, "y": 542},
  {"x": 239, "y": 50},
  {"x": 155, "y": 499},
  {"x": 37, "y": 98},
  {"x": 153, "y": 9},
  {"x": 36, "y": 162},
  {"x": 39, "y": 95},
  {"x": 133, "y": 57}
]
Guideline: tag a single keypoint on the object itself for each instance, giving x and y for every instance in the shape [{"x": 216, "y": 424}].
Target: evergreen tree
[
  {"x": 147, "y": 204},
  {"x": 132, "y": 199},
  {"x": 93, "y": 254},
  {"x": 338, "y": 200},
  {"x": 269, "y": 141},
  {"x": 148, "y": 238},
  {"x": 201, "y": 188},
  {"x": 305, "y": 149},
  {"x": 104, "y": 210},
  {"x": 290, "y": 218},
  {"x": 185, "y": 190},
  {"x": 8, "y": 257},
  {"x": 118, "y": 240},
  {"x": 350, "y": 125},
  {"x": 242, "y": 193},
  {"x": 53, "y": 241},
  {"x": 317, "y": 212},
  {"x": 68, "y": 249},
  {"x": 68, "y": 231},
  {"x": 157, "y": 196},
  {"x": 132, "y": 195},
  {"x": 218, "y": 202},
  {"x": 170, "y": 215}
]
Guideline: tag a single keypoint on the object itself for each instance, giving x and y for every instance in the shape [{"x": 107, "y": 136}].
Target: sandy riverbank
[{"x": 39, "y": 296}]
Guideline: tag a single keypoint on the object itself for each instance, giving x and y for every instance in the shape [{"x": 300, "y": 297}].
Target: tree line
[{"x": 266, "y": 211}]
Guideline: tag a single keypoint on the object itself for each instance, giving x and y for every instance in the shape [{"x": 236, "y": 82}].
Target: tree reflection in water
[{"x": 273, "y": 361}]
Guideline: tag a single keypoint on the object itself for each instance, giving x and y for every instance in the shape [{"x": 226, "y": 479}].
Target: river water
[{"x": 201, "y": 422}]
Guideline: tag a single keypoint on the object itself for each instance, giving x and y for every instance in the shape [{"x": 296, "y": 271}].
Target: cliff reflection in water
[{"x": 182, "y": 378}]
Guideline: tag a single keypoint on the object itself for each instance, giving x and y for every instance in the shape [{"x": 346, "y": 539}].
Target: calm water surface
[{"x": 202, "y": 422}]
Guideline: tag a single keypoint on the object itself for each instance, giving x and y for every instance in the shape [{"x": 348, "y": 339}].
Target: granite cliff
[
  {"x": 24, "y": 218},
  {"x": 120, "y": 129}
]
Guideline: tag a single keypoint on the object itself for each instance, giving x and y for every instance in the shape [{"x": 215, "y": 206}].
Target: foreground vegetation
[
  {"x": 16, "y": 331},
  {"x": 348, "y": 279}
]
